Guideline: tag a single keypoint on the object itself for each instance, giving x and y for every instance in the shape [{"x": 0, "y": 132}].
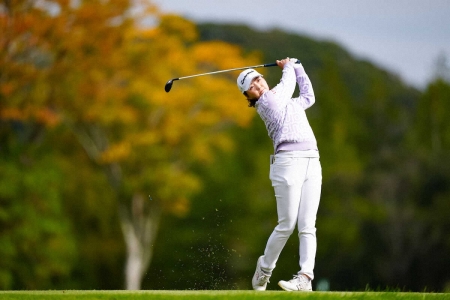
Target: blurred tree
[
  {"x": 37, "y": 248},
  {"x": 432, "y": 126},
  {"x": 373, "y": 174},
  {"x": 90, "y": 67},
  {"x": 430, "y": 140},
  {"x": 442, "y": 68}
]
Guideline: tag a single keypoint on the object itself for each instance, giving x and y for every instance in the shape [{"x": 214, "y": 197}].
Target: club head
[{"x": 169, "y": 84}]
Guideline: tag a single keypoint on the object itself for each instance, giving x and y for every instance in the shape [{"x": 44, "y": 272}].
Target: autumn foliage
[
  {"x": 94, "y": 71},
  {"x": 90, "y": 64}
]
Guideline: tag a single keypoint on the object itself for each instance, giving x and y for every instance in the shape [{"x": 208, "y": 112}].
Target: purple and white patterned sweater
[{"x": 284, "y": 116}]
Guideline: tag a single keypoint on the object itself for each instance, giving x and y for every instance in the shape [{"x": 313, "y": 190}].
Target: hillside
[{"x": 370, "y": 217}]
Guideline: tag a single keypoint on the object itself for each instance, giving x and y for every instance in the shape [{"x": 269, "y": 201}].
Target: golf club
[{"x": 169, "y": 83}]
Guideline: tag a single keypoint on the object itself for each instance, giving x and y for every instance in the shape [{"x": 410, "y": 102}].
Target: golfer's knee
[
  {"x": 307, "y": 230},
  {"x": 285, "y": 230}
]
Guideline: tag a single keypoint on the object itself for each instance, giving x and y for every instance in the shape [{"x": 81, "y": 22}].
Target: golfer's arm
[{"x": 306, "y": 97}]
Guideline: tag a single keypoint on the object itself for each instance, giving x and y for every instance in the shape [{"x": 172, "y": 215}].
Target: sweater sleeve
[
  {"x": 279, "y": 97},
  {"x": 306, "y": 98}
]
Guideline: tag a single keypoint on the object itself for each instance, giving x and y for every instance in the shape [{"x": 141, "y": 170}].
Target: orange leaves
[
  {"x": 89, "y": 65},
  {"x": 39, "y": 115},
  {"x": 7, "y": 88},
  {"x": 47, "y": 117},
  {"x": 12, "y": 114}
]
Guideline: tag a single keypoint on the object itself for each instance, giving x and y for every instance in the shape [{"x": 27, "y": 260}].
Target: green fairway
[{"x": 213, "y": 295}]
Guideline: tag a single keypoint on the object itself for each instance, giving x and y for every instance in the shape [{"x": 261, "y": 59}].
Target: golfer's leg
[
  {"x": 287, "y": 207},
  {"x": 308, "y": 207},
  {"x": 287, "y": 178}
]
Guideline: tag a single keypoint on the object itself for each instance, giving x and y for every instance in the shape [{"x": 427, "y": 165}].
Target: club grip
[{"x": 275, "y": 64}]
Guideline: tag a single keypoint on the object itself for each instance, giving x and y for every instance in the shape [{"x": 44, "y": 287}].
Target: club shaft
[
  {"x": 169, "y": 83},
  {"x": 229, "y": 70}
]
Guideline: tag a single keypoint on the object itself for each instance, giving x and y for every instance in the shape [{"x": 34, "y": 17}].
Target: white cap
[{"x": 245, "y": 79}]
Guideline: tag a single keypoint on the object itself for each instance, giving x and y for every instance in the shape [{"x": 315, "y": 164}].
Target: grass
[{"x": 217, "y": 295}]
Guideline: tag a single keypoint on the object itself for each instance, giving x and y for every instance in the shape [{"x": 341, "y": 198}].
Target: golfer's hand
[{"x": 282, "y": 62}]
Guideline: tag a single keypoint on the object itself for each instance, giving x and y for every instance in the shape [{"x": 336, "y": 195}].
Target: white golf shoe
[
  {"x": 260, "y": 279},
  {"x": 298, "y": 283}
]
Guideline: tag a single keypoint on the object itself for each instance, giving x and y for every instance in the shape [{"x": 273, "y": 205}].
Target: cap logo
[{"x": 243, "y": 79}]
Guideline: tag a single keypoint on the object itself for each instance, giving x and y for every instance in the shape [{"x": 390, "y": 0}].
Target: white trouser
[{"x": 297, "y": 181}]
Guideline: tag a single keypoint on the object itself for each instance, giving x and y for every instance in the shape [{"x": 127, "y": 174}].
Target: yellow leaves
[
  {"x": 115, "y": 153},
  {"x": 207, "y": 118},
  {"x": 93, "y": 66},
  {"x": 204, "y": 149},
  {"x": 174, "y": 185},
  {"x": 145, "y": 139},
  {"x": 128, "y": 148},
  {"x": 172, "y": 130},
  {"x": 176, "y": 26},
  {"x": 224, "y": 142},
  {"x": 219, "y": 55},
  {"x": 180, "y": 207},
  {"x": 201, "y": 151}
]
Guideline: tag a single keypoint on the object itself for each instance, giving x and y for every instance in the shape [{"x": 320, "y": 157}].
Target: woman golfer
[{"x": 295, "y": 169}]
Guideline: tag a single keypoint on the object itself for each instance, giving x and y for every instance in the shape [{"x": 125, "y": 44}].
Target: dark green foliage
[
  {"x": 371, "y": 228},
  {"x": 37, "y": 248}
]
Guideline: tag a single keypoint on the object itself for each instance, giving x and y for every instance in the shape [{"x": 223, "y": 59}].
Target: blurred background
[{"x": 109, "y": 182}]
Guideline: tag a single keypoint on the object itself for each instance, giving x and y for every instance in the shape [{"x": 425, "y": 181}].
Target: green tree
[
  {"x": 432, "y": 127},
  {"x": 363, "y": 118},
  {"x": 38, "y": 250},
  {"x": 90, "y": 69}
]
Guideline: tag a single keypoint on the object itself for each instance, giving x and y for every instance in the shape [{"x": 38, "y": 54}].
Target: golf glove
[{"x": 297, "y": 63}]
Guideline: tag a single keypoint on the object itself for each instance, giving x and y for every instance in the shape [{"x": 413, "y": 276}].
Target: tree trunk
[
  {"x": 139, "y": 224},
  {"x": 139, "y": 218}
]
